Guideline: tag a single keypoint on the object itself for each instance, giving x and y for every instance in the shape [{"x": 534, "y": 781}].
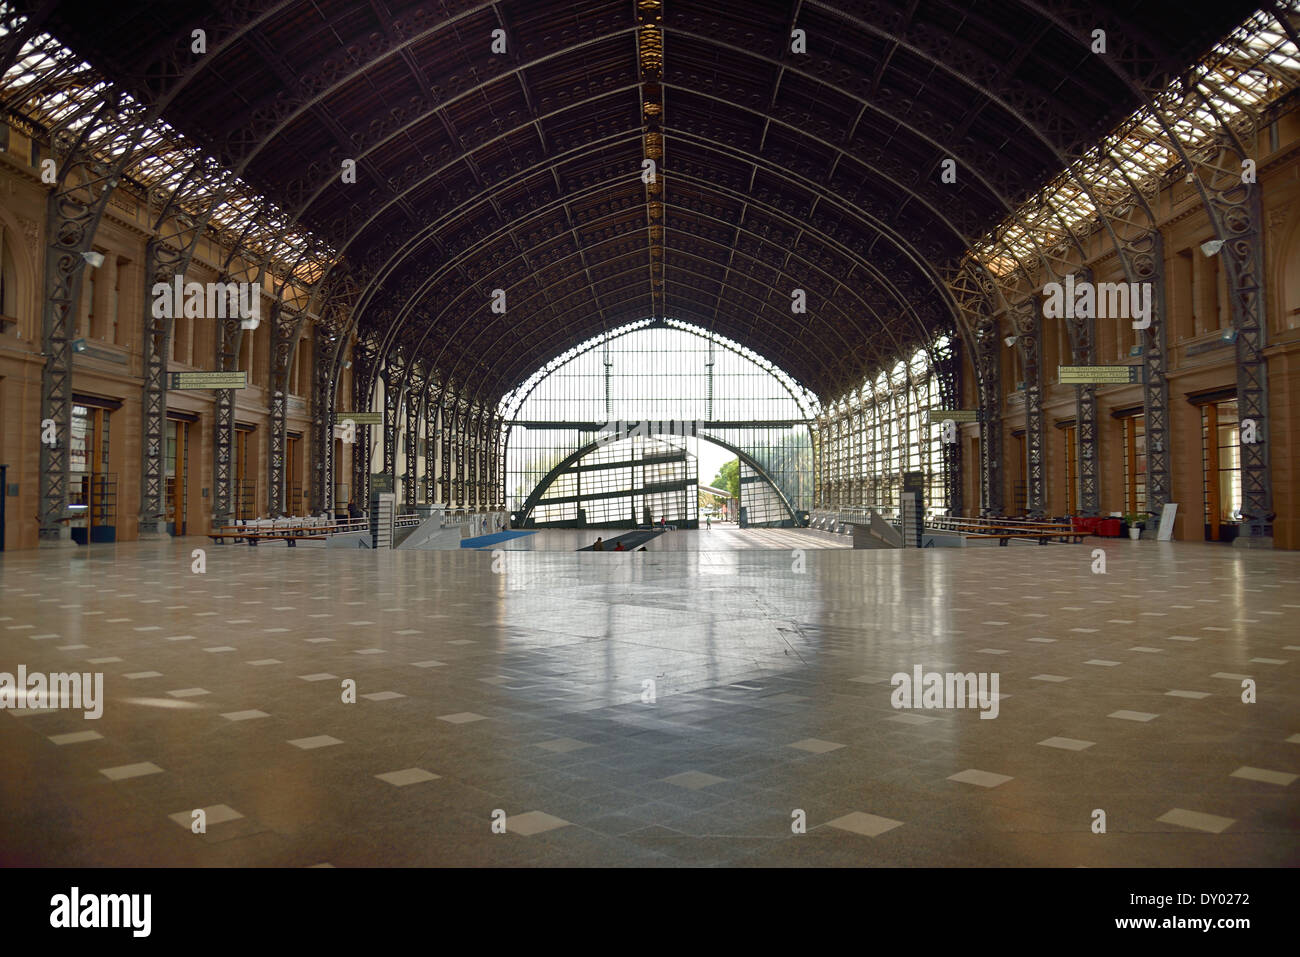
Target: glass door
[
  {"x": 1221, "y": 459},
  {"x": 92, "y": 489},
  {"x": 1135, "y": 464}
]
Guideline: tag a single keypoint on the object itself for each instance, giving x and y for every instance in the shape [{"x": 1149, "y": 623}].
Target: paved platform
[{"x": 519, "y": 683}]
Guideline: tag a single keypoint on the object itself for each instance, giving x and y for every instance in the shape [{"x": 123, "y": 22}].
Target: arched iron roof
[{"x": 522, "y": 170}]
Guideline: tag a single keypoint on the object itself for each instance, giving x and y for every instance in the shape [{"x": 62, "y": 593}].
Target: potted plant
[{"x": 1135, "y": 521}]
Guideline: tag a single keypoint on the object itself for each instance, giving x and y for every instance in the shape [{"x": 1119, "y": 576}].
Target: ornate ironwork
[
  {"x": 1025, "y": 321},
  {"x": 323, "y": 395}
]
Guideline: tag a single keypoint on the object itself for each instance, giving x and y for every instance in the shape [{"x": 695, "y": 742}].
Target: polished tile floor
[
  {"x": 686, "y": 706},
  {"x": 722, "y": 537}
]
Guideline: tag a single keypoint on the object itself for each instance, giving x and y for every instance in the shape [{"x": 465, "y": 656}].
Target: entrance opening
[
  {"x": 177, "y": 475},
  {"x": 585, "y": 433},
  {"x": 93, "y": 488},
  {"x": 640, "y": 481}
]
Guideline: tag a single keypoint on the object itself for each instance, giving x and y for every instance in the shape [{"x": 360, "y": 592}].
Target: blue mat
[{"x": 483, "y": 541}]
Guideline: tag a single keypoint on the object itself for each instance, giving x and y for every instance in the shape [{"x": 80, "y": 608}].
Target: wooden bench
[
  {"x": 1043, "y": 535},
  {"x": 253, "y": 534}
]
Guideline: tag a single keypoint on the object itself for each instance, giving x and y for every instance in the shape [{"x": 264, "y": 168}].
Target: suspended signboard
[
  {"x": 360, "y": 418},
  {"x": 1100, "y": 375},
  {"x": 207, "y": 380},
  {"x": 953, "y": 415}
]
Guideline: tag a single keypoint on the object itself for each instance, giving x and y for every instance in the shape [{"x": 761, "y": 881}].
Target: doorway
[
  {"x": 177, "y": 476},
  {"x": 1019, "y": 477},
  {"x": 293, "y": 474},
  {"x": 244, "y": 485},
  {"x": 1221, "y": 470},
  {"x": 92, "y": 488},
  {"x": 1071, "y": 436}
]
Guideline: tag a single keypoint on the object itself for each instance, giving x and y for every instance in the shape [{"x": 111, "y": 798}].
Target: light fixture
[
  {"x": 95, "y": 259},
  {"x": 1011, "y": 341},
  {"x": 78, "y": 345},
  {"x": 1211, "y": 246},
  {"x": 1229, "y": 335}
]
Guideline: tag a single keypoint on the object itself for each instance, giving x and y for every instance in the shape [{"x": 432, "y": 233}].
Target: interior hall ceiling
[{"x": 479, "y": 170}]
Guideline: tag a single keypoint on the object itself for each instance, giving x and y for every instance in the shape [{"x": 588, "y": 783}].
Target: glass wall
[
  {"x": 636, "y": 481},
  {"x": 869, "y": 438},
  {"x": 686, "y": 381}
]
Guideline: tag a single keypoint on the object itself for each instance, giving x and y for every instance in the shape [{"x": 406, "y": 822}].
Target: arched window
[{"x": 669, "y": 378}]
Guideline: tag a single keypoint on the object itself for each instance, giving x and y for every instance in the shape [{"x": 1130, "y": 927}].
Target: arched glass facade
[{"x": 684, "y": 381}]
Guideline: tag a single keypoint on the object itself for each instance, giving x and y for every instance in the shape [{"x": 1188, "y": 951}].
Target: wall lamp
[
  {"x": 94, "y": 259},
  {"x": 1212, "y": 246},
  {"x": 1011, "y": 341}
]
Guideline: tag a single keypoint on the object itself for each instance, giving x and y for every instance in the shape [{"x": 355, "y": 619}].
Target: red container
[{"x": 1108, "y": 528}]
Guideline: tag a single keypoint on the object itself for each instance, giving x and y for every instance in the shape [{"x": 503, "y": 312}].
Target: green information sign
[
  {"x": 1100, "y": 375},
  {"x": 955, "y": 415},
  {"x": 360, "y": 418},
  {"x": 207, "y": 380}
]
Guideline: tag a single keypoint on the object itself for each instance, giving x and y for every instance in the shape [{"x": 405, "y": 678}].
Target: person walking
[
  {"x": 708, "y": 522},
  {"x": 598, "y": 545},
  {"x": 618, "y": 547}
]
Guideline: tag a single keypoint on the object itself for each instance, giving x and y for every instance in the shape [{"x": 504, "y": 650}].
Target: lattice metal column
[
  {"x": 472, "y": 465},
  {"x": 229, "y": 338},
  {"x": 285, "y": 327},
  {"x": 446, "y": 439},
  {"x": 1082, "y": 331},
  {"x": 433, "y": 449},
  {"x": 322, "y": 423},
  {"x": 392, "y": 409},
  {"x": 162, "y": 264},
  {"x": 989, "y": 366},
  {"x": 1146, "y": 260},
  {"x": 363, "y": 370},
  {"x": 459, "y": 417},
  {"x": 834, "y": 450},
  {"x": 819, "y": 465},
  {"x": 1026, "y": 322},
  {"x": 496, "y": 468},
  {"x": 855, "y": 470},
  {"x": 947, "y": 367},
  {"x": 872, "y": 468},
  {"x": 1238, "y": 209},
  {"x": 410, "y": 463}
]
